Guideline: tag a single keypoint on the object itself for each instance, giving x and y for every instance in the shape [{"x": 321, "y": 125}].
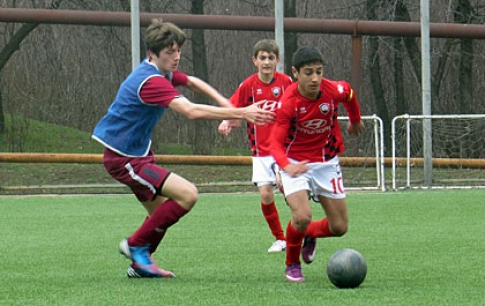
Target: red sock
[
  {"x": 154, "y": 227},
  {"x": 270, "y": 213},
  {"x": 319, "y": 229},
  {"x": 294, "y": 239}
]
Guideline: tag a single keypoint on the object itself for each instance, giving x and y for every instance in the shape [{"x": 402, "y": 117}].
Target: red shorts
[{"x": 141, "y": 174}]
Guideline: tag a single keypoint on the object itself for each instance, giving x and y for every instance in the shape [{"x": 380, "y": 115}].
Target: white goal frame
[
  {"x": 409, "y": 160},
  {"x": 378, "y": 131}
]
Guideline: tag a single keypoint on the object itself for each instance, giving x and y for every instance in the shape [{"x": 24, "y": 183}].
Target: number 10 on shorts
[{"x": 337, "y": 184}]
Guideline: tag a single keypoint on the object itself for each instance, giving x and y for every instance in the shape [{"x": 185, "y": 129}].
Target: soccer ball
[{"x": 347, "y": 268}]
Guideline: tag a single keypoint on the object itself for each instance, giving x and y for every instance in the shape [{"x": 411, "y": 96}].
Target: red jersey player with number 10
[
  {"x": 266, "y": 85},
  {"x": 306, "y": 141}
]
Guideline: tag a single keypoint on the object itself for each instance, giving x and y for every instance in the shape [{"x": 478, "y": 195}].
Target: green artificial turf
[{"x": 421, "y": 248}]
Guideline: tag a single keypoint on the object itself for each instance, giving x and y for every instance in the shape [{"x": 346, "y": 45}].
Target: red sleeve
[
  {"x": 236, "y": 98},
  {"x": 351, "y": 103},
  {"x": 279, "y": 133},
  {"x": 159, "y": 90},
  {"x": 240, "y": 97}
]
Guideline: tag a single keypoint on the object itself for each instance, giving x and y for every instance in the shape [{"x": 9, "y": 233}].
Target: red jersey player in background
[
  {"x": 266, "y": 85},
  {"x": 306, "y": 141}
]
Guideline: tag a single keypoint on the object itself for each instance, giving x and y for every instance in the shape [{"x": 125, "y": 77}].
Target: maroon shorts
[{"x": 141, "y": 174}]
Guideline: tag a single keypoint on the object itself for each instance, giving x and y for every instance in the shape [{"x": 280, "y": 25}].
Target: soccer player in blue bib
[{"x": 125, "y": 131}]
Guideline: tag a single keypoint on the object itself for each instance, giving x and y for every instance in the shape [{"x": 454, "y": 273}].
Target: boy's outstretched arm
[{"x": 199, "y": 86}]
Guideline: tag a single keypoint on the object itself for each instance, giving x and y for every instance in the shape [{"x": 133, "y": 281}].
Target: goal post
[
  {"x": 457, "y": 157},
  {"x": 363, "y": 159}
]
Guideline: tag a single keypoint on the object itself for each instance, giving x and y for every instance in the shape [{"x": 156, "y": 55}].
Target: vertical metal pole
[
  {"x": 355, "y": 74},
  {"x": 426, "y": 94},
  {"x": 135, "y": 34},
  {"x": 393, "y": 148},
  {"x": 378, "y": 152},
  {"x": 279, "y": 32},
  {"x": 356, "y": 57},
  {"x": 381, "y": 140},
  {"x": 408, "y": 153}
]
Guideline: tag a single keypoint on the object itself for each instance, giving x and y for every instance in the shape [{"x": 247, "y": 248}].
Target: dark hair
[
  {"x": 160, "y": 35},
  {"x": 266, "y": 45},
  {"x": 306, "y": 55}
]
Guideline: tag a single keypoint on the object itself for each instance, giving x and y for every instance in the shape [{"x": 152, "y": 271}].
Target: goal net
[
  {"x": 363, "y": 159},
  {"x": 457, "y": 149}
]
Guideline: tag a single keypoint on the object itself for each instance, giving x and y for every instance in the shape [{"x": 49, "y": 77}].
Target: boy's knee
[
  {"x": 267, "y": 198},
  {"x": 191, "y": 196},
  {"x": 188, "y": 197},
  {"x": 301, "y": 221},
  {"x": 339, "y": 230}
]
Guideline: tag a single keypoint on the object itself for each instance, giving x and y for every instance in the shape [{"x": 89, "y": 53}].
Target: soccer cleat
[
  {"x": 277, "y": 246},
  {"x": 293, "y": 273},
  {"x": 142, "y": 262},
  {"x": 131, "y": 273},
  {"x": 125, "y": 248},
  {"x": 308, "y": 249},
  {"x": 167, "y": 274}
]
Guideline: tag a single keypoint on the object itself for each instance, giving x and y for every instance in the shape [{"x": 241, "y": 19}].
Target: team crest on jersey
[
  {"x": 276, "y": 91},
  {"x": 324, "y": 108}
]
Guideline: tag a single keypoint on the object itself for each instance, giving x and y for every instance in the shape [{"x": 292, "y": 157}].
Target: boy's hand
[
  {"x": 256, "y": 115},
  {"x": 296, "y": 169},
  {"x": 355, "y": 128},
  {"x": 224, "y": 128}
]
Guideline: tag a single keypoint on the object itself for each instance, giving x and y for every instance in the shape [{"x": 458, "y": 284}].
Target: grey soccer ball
[{"x": 347, "y": 268}]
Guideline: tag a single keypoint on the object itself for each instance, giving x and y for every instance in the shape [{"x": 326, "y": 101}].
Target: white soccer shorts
[
  {"x": 263, "y": 171},
  {"x": 323, "y": 179}
]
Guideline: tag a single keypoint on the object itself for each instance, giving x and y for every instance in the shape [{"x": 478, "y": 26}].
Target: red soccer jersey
[
  {"x": 254, "y": 90},
  {"x": 308, "y": 129}
]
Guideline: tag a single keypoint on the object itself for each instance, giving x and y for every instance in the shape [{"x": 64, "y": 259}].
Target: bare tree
[
  {"x": 9, "y": 49},
  {"x": 203, "y": 134},
  {"x": 76, "y": 70},
  {"x": 464, "y": 14},
  {"x": 375, "y": 70},
  {"x": 291, "y": 38}
]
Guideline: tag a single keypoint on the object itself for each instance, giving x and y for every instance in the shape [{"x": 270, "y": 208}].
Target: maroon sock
[
  {"x": 155, "y": 226},
  {"x": 155, "y": 238}
]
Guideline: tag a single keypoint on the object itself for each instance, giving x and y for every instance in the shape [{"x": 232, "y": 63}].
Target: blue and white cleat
[{"x": 142, "y": 263}]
